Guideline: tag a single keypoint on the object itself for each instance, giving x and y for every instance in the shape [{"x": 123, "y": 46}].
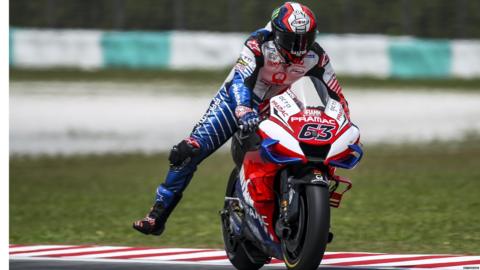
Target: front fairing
[{"x": 308, "y": 125}]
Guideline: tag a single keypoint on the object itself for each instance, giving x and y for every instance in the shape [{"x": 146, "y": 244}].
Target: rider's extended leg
[
  {"x": 167, "y": 196},
  {"x": 214, "y": 129}
]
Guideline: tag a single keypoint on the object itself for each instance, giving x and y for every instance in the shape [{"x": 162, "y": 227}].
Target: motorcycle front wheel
[{"x": 305, "y": 246}]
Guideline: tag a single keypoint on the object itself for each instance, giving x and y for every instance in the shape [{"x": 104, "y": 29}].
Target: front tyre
[{"x": 306, "y": 245}]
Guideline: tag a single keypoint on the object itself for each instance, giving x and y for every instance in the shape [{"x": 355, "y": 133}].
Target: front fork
[
  {"x": 232, "y": 213},
  {"x": 291, "y": 188},
  {"x": 289, "y": 206}
]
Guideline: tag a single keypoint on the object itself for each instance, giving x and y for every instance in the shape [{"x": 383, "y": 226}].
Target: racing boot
[
  {"x": 169, "y": 193},
  {"x": 154, "y": 222}
]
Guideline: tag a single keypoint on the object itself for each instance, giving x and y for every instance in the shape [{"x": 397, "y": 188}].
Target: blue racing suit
[{"x": 259, "y": 74}]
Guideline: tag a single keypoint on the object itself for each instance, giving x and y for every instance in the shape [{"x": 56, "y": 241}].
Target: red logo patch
[
  {"x": 253, "y": 45},
  {"x": 279, "y": 77}
]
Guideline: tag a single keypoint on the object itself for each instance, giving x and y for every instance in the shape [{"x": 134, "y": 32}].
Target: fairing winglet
[
  {"x": 269, "y": 155},
  {"x": 351, "y": 160}
]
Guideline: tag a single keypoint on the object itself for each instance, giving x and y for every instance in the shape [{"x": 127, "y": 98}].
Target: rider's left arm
[{"x": 324, "y": 71}]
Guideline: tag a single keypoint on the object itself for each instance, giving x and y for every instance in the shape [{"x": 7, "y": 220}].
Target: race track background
[
  {"x": 103, "y": 117},
  {"x": 99, "y": 117}
]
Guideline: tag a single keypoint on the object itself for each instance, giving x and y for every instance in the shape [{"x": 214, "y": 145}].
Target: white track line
[
  {"x": 224, "y": 262},
  {"x": 430, "y": 261},
  {"x": 33, "y": 253},
  {"x": 196, "y": 263},
  {"x": 134, "y": 252},
  {"x": 281, "y": 263},
  {"x": 460, "y": 267},
  {"x": 106, "y": 260},
  {"x": 368, "y": 258},
  {"x": 28, "y": 248},
  {"x": 74, "y": 250},
  {"x": 187, "y": 256}
]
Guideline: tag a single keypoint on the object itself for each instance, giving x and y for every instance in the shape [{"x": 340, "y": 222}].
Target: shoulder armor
[
  {"x": 256, "y": 39},
  {"x": 317, "y": 48},
  {"x": 322, "y": 55}
]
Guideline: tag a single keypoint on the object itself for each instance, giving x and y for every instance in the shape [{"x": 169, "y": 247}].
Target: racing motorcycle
[{"x": 278, "y": 197}]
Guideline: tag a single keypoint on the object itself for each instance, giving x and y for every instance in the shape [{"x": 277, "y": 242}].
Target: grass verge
[{"x": 412, "y": 199}]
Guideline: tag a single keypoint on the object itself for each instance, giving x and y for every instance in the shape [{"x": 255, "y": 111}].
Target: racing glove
[
  {"x": 248, "y": 119},
  {"x": 183, "y": 152}
]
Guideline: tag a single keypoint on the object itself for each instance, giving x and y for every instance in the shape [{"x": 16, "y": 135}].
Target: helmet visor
[{"x": 296, "y": 44}]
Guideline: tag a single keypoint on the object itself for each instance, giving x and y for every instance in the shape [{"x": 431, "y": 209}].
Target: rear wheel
[
  {"x": 233, "y": 246},
  {"x": 306, "y": 245}
]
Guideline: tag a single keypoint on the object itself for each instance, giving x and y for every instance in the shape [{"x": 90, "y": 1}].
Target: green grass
[
  {"x": 218, "y": 76},
  {"x": 412, "y": 199}
]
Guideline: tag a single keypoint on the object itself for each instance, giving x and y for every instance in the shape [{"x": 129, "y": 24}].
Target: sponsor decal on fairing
[
  {"x": 335, "y": 110},
  {"x": 312, "y": 119},
  {"x": 273, "y": 130},
  {"x": 244, "y": 184},
  {"x": 312, "y": 112},
  {"x": 282, "y": 107}
]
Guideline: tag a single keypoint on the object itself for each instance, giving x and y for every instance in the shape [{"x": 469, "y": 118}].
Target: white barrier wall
[
  {"x": 358, "y": 55},
  {"x": 205, "y": 50},
  {"x": 56, "y": 48},
  {"x": 466, "y": 58},
  {"x": 355, "y": 55}
]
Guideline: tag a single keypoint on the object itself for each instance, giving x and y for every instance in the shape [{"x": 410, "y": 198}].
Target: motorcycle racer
[{"x": 271, "y": 60}]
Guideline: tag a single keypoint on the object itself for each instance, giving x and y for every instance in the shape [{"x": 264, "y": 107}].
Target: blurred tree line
[{"x": 421, "y": 18}]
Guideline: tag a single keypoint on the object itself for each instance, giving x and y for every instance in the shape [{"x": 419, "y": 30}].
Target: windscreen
[{"x": 311, "y": 93}]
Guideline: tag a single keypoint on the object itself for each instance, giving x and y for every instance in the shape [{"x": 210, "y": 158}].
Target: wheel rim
[{"x": 293, "y": 246}]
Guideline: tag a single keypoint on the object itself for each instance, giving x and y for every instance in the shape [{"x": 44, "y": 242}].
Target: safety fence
[{"x": 355, "y": 55}]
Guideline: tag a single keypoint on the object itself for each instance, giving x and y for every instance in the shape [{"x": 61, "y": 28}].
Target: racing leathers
[{"x": 259, "y": 74}]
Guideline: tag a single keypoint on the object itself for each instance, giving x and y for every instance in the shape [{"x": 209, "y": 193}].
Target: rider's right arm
[
  {"x": 246, "y": 71},
  {"x": 243, "y": 71}
]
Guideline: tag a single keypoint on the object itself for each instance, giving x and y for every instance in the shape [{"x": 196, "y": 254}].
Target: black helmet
[{"x": 294, "y": 28}]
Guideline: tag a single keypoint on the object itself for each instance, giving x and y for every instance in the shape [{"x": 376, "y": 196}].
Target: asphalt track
[{"x": 19, "y": 264}]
